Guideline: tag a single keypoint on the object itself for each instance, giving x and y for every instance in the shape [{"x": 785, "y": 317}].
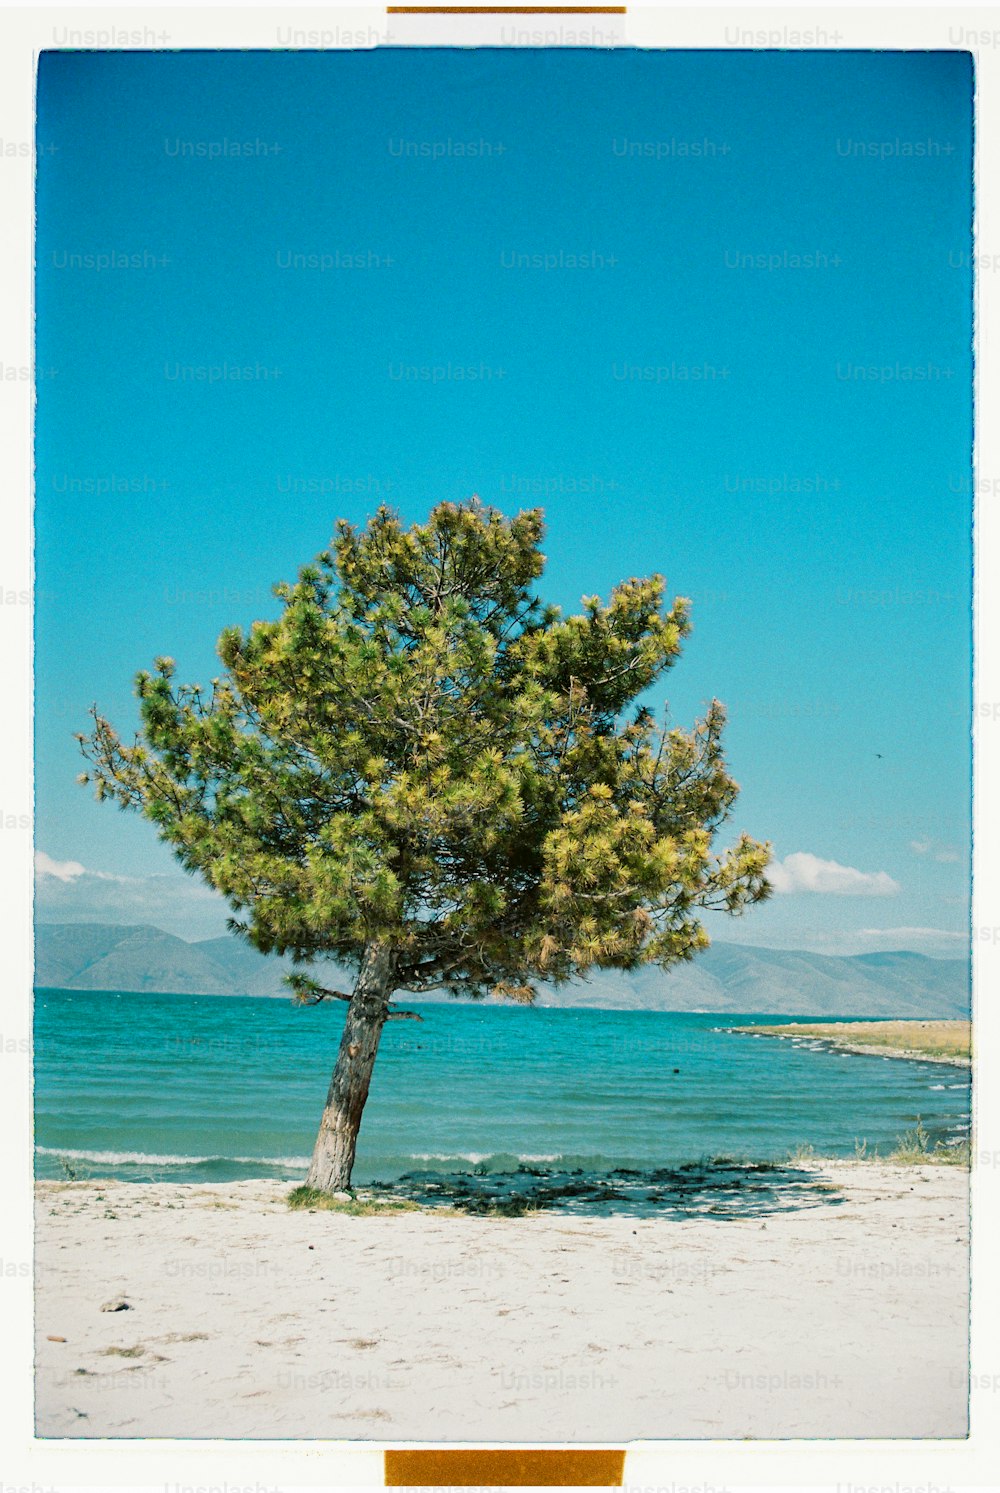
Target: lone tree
[{"x": 421, "y": 771}]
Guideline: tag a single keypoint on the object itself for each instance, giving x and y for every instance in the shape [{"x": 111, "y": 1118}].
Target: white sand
[{"x": 248, "y": 1320}]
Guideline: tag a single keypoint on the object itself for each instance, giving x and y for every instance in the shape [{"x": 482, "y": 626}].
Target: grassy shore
[{"x": 932, "y": 1041}]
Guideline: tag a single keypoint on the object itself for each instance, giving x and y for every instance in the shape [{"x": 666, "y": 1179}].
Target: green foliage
[{"x": 417, "y": 751}]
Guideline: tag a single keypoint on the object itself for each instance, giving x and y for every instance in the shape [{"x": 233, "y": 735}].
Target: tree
[{"x": 421, "y": 771}]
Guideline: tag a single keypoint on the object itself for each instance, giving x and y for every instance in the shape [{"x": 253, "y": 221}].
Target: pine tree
[{"x": 424, "y": 773}]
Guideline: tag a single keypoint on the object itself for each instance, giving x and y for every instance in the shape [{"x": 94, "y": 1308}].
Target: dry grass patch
[
  {"x": 312, "y": 1200},
  {"x": 929, "y": 1039}
]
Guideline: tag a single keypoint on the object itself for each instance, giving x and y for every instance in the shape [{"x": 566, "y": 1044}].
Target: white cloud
[
  {"x": 916, "y": 934},
  {"x": 68, "y": 892},
  {"x": 942, "y": 943},
  {"x": 64, "y": 871},
  {"x": 68, "y": 872},
  {"x": 946, "y": 855},
  {"x": 803, "y": 872}
]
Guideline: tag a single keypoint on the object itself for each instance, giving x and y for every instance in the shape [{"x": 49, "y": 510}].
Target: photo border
[{"x": 651, "y": 1466}]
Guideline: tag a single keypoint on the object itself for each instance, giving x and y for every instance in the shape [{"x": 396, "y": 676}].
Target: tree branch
[{"x": 308, "y": 993}]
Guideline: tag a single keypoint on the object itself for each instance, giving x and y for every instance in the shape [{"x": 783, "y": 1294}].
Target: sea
[{"x": 221, "y": 1088}]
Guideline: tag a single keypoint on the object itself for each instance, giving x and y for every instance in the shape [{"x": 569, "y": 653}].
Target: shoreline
[
  {"x": 245, "y": 1318},
  {"x": 825, "y": 1034}
]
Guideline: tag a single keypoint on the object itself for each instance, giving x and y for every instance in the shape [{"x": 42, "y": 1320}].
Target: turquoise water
[{"x": 152, "y": 1087}]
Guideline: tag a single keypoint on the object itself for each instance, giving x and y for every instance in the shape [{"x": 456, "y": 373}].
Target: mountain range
[{"x": 727, "y": 978}]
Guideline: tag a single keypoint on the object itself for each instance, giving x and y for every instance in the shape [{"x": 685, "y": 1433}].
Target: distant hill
[
  {"x": 737, "y": 978},
  {"x": 727, "y": 978}
]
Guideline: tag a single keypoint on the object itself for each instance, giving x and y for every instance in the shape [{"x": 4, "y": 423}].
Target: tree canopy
[{"x": 419, "y": 753}]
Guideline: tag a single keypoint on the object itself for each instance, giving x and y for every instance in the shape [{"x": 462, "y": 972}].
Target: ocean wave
[
  {"x": 478, "y": 1157},
  {"x": 144, "y": 1158},
  {"x": 501, "y": 1161}
]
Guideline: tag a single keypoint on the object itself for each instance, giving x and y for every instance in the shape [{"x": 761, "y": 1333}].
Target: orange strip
[{"x": 505, "y": 1469}]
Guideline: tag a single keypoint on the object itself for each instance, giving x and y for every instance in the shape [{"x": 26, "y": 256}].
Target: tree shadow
[{"x": 719, "y": 1188}]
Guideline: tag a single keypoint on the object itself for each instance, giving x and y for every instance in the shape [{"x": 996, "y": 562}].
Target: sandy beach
[{"x": 843, "y": 1317}]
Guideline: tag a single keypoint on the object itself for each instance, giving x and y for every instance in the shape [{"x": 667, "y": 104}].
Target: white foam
[
  {"x": 143, "y": 1158},
  {"x": 477, "y": 1157}
]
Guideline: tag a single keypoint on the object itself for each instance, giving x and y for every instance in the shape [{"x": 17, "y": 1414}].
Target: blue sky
[{"x": 711, "y": 310}]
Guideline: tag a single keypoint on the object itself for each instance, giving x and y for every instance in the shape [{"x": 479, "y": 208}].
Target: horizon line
[{"x": 960, "y": 957}]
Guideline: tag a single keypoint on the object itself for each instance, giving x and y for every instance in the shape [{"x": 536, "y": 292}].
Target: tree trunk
[{"x": 333, "y": 1155}]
